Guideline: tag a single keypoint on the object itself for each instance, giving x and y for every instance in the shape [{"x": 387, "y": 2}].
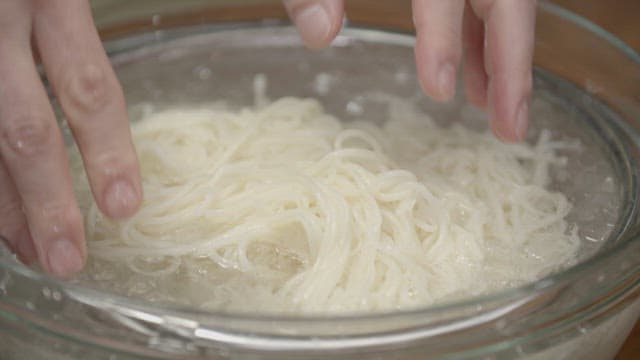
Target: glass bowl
[{"x": 587, "y": 87}]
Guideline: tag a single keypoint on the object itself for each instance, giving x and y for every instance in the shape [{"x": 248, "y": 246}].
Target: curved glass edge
[
  {"x": 540, "y": 285},
  {"x": 592, "y": 27},
  {"x": 370, "y": 35},
  {"x": 405, "y": 40}
]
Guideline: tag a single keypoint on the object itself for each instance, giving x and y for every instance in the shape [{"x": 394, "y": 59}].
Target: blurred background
[{"x": 621, "y": 17}]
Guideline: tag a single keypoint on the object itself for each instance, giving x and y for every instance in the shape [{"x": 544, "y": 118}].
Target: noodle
[{"x": 282, "y": 207}]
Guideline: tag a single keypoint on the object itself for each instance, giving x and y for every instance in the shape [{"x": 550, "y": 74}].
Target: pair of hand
[{"x": 38, "y": 212}]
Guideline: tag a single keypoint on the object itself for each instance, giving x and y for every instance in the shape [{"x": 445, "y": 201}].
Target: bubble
[
  {"x": 202, "y": 72},
  {"x": 583, "y": 329},
  {"x": 355, "y": 108},
  {"x": 46, "y": 292},
  {"x": 322, "y": 83}
]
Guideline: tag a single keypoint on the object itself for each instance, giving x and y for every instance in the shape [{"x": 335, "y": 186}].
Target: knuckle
[
  {"x": 10, "y": 210},
  {"x": 27, "y": 136},
  {"x": 88, "y": 89},
  {"x": 63, "y": 214},
  {"x": 111, "y": 163},
  {"x": 51, "y": 218}
]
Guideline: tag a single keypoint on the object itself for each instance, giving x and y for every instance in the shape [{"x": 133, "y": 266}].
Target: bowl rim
[
  {"x": 630, "y": 239},
  {"x": 594, "y": 28}
]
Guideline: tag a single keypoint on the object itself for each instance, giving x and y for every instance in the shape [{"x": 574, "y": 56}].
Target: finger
[
  {"x": 13, "y": 224},
  {"x": 318, "y": 21},
  {"x": 475, "y": 77},
  {"x": 438, "y": 45},
  {"x": 508, "y": 61},
  {"x": 93, "y": 103},
  {"x": 33, "y": 151}
]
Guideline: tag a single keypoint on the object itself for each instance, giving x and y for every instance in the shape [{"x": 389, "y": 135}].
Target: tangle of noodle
[{"x": 285, "y": 208}]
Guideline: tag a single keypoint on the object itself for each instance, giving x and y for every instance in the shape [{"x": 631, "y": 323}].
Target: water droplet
[
  {"x": 260, "y": 89},
  {"x": 202, "y": 72},
  {"x": 4, "y": 282},
  {"x": 322, "y": 83},
  {"x": 354, "y": 108},
  {"x": 583, "y": 330},
  {"x": 155, "y": 20},
  {"x": 46, "y": 292},
  {"x": 412, "y": 293},
  {"x": 401, "y": 76}
]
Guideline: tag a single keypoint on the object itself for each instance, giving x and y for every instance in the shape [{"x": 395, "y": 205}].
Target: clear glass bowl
[{"x": 587, "y": 87}]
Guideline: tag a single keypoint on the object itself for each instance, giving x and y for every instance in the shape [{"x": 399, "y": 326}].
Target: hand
[
  {"x": 38, "y": 212},
  {"x": 496, "y": 37}
]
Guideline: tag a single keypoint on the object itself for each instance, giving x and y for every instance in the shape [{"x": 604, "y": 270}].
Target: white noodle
[{"x": 285, "y": 208}]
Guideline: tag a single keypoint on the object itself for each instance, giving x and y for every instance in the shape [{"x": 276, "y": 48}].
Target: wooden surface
[{"x": 621, "y": 18}]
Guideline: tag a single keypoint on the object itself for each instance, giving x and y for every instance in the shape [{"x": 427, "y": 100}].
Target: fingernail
[
  {"x": 313, "y": 24},
  {"x": 521, "y": 121},
  {"x": 447, "y": 81},
  {"x": 64, "y": 258},
  {"x": 121, "y": 199}
]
